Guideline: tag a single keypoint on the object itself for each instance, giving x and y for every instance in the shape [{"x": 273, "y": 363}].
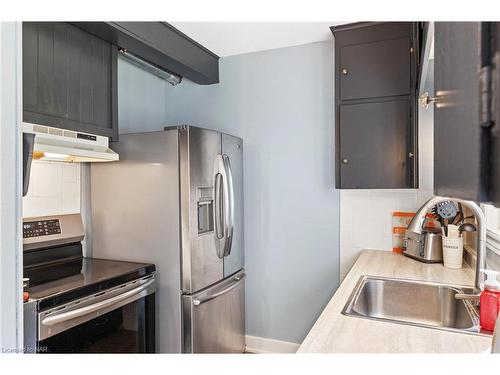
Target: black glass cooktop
[{"x": 59, "y": 283}]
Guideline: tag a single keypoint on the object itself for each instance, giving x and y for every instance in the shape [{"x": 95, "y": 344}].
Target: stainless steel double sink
[{"x": 417, "y": 303}]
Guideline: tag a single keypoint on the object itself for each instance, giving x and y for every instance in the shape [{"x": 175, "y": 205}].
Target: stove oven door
[{"x": 118, "y": 320}]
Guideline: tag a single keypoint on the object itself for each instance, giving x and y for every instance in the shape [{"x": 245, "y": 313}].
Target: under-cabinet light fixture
[{"x": 171, "y": 78}]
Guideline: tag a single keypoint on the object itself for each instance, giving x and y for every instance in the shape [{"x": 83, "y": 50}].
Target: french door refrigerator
[{"x": 175, "y": 199}]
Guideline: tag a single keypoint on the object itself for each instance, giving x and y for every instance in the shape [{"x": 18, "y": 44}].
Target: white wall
[{"x": 54, "y": 189}]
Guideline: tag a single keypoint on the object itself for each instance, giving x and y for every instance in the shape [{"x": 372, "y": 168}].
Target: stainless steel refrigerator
[{"x": 175, "y": 199}]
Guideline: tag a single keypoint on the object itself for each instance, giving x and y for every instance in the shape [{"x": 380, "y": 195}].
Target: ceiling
[{"x": 234, "y": 38}]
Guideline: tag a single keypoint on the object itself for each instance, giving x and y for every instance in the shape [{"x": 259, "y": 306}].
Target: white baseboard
[{"x": 261, "y": 345}]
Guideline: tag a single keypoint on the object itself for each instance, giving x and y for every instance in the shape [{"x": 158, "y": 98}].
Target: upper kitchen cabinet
[
  {"x": 70, "y": 69},
  {"x": 458, "y": 168},
  {"x": 466, "y": 135},
  {"x": 367, "y": 72},
  {"x": 492, "y": 116},
  {"x": 375, "y": 105},
  {"x": 161, "y": 45},
  {"x": 69, "y": 79}
]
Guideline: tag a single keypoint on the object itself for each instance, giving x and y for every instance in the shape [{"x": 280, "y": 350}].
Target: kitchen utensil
[
  {"x": 438, "y": 218},
  {"x": 444, "y": 212},
  {"x": 460, "y": 215},
  {"x": 466, "y": 227},
  {"x": 467, "y": 217}
]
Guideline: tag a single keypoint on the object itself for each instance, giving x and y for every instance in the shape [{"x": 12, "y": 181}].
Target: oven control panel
[
  {"x": 44, "y": 231},
  {"x": 41, "y": 228}
]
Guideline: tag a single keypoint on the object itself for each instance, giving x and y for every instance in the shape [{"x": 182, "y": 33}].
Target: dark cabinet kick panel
[
  {"x": 375, "y": 69},
  {"x": 375, "y": 105},
  {"x": 372, "y": 149},
  {"x": 69, "y": 79}
]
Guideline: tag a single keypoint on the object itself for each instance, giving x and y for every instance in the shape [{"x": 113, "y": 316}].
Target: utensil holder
[{"x": 453, "y": 250}]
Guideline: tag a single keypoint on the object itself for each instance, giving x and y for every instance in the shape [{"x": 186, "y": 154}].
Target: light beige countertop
[{"x": 337, "y": 333}]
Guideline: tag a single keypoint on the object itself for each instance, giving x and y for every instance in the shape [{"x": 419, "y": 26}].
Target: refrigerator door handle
[
  {"x": 236, "y": 281},
  {"x": 221, "y": 206},
  {"x": 219, "y": 225},
  {"x": 230, "y": 205},
  {"x": 224, "y": 205}
]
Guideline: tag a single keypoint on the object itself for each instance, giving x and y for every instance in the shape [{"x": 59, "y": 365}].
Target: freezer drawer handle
[
  {"x": 236, "y": 282},
  {"x": 58, "y": 318}
]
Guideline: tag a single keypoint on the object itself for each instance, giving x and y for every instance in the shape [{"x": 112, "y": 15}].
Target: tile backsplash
[
  {"x": 366, "y": 220},
  {"x": 54, "y": 189}
]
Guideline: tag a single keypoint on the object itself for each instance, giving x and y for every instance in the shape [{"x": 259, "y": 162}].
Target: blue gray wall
[
  {"x": 281, "y": 103},
  {"x": 141, "y": 99}
]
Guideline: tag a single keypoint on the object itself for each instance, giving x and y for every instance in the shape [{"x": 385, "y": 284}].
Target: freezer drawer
[{"x": 214, "y": 319}]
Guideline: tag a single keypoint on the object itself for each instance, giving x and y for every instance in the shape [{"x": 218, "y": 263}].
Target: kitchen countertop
[{"x": 337, "y": 333}]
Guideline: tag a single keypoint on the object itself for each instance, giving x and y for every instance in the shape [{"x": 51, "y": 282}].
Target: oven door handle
[{"x": 58, "y": 318}]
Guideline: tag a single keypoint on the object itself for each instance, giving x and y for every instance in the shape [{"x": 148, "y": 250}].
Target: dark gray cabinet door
[
  {"x": 69, "y": 79},
  {"x": 458, "y": 163},
  {"x": 375, "y": 105},
  {"x": 494, "y": 165},
  {"x": 373, "y": 149},
  {"x": 376, "y": 69}
]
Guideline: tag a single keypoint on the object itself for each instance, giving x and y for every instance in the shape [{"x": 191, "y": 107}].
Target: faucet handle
[{"x": 468, "y": 297}]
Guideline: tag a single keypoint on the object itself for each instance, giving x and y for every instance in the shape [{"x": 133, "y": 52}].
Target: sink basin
[{"x": 418, "y": 303}]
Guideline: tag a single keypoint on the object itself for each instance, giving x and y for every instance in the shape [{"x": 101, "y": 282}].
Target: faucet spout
[{"x": 417, "y": 224}]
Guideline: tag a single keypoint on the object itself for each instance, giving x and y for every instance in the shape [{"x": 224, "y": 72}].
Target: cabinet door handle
[
  {"x": 345, "y": 161},
  {"x": 345, "y": 71},
  {"x": 426, "y": 100}
]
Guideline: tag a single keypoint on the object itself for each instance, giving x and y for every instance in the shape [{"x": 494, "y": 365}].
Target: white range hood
[{"x": 55, "y": 144}]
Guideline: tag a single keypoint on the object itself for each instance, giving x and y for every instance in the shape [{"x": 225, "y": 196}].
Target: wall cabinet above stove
[{"x": 69, "y": 79}]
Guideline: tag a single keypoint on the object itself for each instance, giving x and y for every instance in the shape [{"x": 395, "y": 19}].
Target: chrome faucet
[{"x": 417, "y": 224}]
